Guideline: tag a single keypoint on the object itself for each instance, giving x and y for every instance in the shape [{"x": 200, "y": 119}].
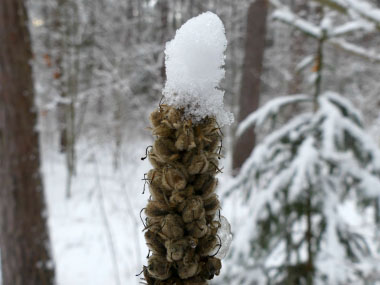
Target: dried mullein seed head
[
  {"x": 198, "y": 165},
  {"x": 173, "y": 179},
  {"x": 159, "y": 267},
  {"x": 164, "y": 148},
  {"x": 207, "y": 244},
  {"x": 172, "y": 226},
  {"x": 155, "y": 243},
  {"x": 212, "y": 267},
  {"x": 198, "y": 228},
  {"x": 193, "y": 209},
  {"x": 156, "y": 208}
]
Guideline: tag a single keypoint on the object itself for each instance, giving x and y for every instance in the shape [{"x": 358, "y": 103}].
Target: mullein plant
[
  {"x": 183, "y": 216},
  {"x": 184, "y": 231}
]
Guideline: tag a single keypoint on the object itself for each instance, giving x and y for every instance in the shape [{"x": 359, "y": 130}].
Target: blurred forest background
[{"x": 98, "y": 72}]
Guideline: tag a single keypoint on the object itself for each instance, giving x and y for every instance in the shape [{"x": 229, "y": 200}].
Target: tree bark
[
  {"x": 251, "y": 77},
  {"x": 24, "y": 239}
]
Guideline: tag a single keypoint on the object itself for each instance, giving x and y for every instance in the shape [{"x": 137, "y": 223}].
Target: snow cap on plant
[{"x": 194, "y": 62}]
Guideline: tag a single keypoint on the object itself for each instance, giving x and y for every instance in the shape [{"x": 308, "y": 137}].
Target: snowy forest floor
[{"x": 97, "y": 234}]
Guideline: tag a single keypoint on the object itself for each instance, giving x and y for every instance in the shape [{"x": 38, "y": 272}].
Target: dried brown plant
[{"x": 181, "y": 224}]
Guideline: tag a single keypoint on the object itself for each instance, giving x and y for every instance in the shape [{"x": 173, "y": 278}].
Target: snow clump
[{"x": 194, "y": 62}]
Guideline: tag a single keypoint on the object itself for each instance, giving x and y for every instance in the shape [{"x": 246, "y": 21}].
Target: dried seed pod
[
  {"x": 213, "y": 165},
  {"x": 173, "y": 179},
  {"x": 193, "y": 209},
  {"x": 172, "y": 118},
  {"x": 209, "y": 188},
  {"x": 185, "y": 137},
  {"x": 172, "y": 226},
  {"x": 189, "y": 265},
  {"x": 149, "y": 279},
  {"x": 195, "y": 281},
  {"x": 163, "y": 131},
  {"x": 199, "y": 164},
  {"x": 154, "y": 224},
  {"x": 157, "y": 193},
  {"x": 213, "y": 144},
  {"x": 164, "y": 148},
  {"x": 154, "y": 177},
  {"x": 178, "y": 197},
  {"x": 156, "y": 117},
  {"x": 176, "y": 248},
  {"x": 155, "y": 160},
  {"x": 155, "y": 243},
  {"x": 201, "y": 180},
  {"x": 212, "y": 205},
  {"x": 207, "y": 244},
  {"x": 212, "y": 267},
  {"x": 156, "y": 208},
  {"x": 158, "y": 267},
  {"x": 198, "y": 228}
]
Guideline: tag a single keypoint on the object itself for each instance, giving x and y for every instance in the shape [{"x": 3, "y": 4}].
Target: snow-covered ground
[{"x": 97, "y": 234}]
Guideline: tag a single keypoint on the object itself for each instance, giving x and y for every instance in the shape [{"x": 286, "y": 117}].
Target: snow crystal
[{"x": 194, "y": 68}]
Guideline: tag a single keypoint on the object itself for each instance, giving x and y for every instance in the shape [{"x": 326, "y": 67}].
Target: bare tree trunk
[
  {"x": 163, "y": 7},
  {"x": 250, "y": 86},
  {"x": 297, "y": 50},
  {"x": 58, "y": 28},
  {"x": 24, "y": 239}
]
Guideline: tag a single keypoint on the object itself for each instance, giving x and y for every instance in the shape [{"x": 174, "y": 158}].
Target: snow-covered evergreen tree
[{"x": 310, "y": 190}]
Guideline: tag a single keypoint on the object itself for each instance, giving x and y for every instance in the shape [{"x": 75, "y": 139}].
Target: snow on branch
[
  {"x": 287, "y": 17},
  {"x": 345, "y": 107},
  {"x": 349, "y": 28},
  {"x": 365, "y": 10},
  {"x": 355, "y": 50},
  {"x": 337, "y": 5},
  {"x": 268, "y": 110}
]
